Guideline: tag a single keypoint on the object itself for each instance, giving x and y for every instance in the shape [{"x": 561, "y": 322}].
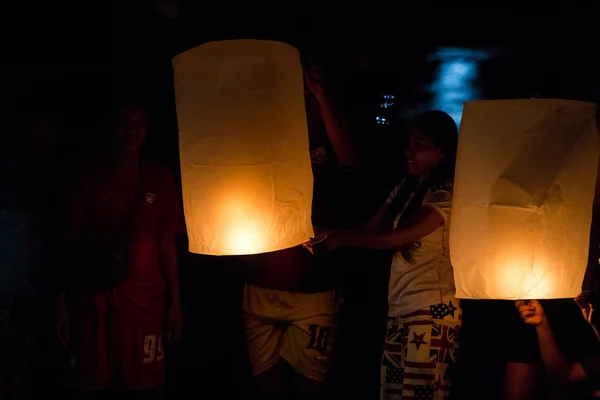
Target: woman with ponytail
[{"x": 424, "y": 317}]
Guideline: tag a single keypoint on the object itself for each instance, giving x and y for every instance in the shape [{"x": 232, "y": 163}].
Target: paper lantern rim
[
  {"x": 532, "y": 100},
  {"x": 240, "y": 41},
  {"x": 516, "y": 298},
  {"x": 250, "y": 254}
]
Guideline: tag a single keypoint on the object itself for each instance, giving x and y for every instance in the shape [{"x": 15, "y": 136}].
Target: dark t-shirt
[
  {"x": 591, "y": 366},
  {"x": 335, "y": 197},
  {"x": 573, "y": 334},
  {"x": 327, "y": 182},
  {"x": 344, "y": 198}
]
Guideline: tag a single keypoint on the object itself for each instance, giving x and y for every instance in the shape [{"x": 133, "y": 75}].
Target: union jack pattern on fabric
[{"x": 420, "y": 352}]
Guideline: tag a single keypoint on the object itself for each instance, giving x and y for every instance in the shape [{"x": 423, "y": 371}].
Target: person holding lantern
[
  {"x": 290, "y": 305},
  {"x": 424, "y": 317},
  {"x": 122, "y": 267},
  {"x": 570, "y": 338},
  {"x": 556, "y": 364},
  {"x": 532, "y": 372},
  {"x": 544, "y": 355}
]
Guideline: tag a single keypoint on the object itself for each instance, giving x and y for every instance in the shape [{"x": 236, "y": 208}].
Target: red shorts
[{"x": 112, "y": 351}]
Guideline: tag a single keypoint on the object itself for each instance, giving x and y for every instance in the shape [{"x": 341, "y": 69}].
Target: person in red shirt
[{"x": 122, "y": 278}]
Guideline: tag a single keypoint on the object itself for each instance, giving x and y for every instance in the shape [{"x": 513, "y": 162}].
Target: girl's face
[
  {"x": 132, "y": 127},
  {"x": 422, "y": 154}
]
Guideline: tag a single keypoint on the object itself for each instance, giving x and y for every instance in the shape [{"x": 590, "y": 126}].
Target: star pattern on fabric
[
  {"x": 451, "y": 309},
  {"x": 424, "y": 392},
  {"x": 418, "y": 340},
  {"x": 439, "y": 311},
  {"x": 394, "y": 375}
]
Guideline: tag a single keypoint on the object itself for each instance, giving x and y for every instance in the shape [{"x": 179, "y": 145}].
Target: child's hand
[
  {"x": 315, "y": 79},
  {"x": 334, "y": 241},
  {"x": 585, "y": 302},
  {"x": 531, "y": 312},
  {"x": 310, "y": 245}
]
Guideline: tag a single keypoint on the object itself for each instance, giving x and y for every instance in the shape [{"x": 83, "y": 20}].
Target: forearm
[
  {"x": 555, "y": 363},
  {"x": 338, "y": 131},
  {"x": 169, "y": 268},
  {"x": 329, "y": 230},
  {"x": 376, "y": 240},
  {"x": 376, "y": 222},
  {"x": 596, "y": 331},
  {"x": 425, "y": 221},
  {"x": 59, "y": 299}
]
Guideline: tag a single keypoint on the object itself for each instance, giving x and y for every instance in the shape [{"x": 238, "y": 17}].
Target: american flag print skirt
[{"x": 420, "y": 353}]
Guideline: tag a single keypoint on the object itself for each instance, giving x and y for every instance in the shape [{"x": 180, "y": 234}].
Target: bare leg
[
  {"x": 95, "y": 395},
  {"x": 148, "y": 394},
  {"x": 521, "y": 381},
  {"x": 307, "y": 389},
  {"x": 271, "y": 384}
]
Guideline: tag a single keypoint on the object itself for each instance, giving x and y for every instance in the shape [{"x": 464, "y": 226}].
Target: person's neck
[
  {"x": 596, "y": 328},
  {"x": 422, "y": 178},
  {"x": 126, "y": 160}
]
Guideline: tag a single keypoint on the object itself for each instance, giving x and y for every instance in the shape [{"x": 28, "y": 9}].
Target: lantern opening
[
  {"x": 534, "y": 281},
  {"x": 245, "y": 233}
]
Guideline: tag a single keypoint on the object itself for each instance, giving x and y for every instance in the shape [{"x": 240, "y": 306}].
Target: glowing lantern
[
  {"x": 524, "y": 187},
  {"x": 245, "y": 164}
]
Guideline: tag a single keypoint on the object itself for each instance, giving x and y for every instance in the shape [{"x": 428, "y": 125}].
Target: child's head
[{"x": 432, "y": 142}]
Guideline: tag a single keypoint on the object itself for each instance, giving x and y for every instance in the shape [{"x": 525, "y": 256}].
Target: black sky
[{"x": 65, "y": 47}]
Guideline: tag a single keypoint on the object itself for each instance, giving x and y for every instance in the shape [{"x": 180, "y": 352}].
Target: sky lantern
[
  {"x": 523, "y": 193},
  {"x": 245, "y": 163}
]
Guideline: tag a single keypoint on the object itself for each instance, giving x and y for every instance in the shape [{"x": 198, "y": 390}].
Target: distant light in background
[
  {"x": 387, "y": 102},
  {"x": 456, "y": 79},
  {"x": 382, "y": 121},
  {"x": 170, "y": 8}
]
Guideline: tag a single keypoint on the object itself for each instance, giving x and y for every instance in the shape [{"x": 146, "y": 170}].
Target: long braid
[{"x": 413, "y": 193}]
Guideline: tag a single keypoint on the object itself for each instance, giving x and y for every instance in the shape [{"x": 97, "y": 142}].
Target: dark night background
[{"x": 71, "y": 58}]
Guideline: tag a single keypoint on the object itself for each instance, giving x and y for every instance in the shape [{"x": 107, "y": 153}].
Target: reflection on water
[{"x": 456, "y": 79}]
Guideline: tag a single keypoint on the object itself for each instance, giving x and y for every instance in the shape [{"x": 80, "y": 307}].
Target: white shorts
[{"x": 296, "y": 327}]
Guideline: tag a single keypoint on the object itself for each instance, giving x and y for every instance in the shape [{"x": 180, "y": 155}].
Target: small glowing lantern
[
  {"x": 245, "y": 164},
  {"x": 523, "y": 193}
]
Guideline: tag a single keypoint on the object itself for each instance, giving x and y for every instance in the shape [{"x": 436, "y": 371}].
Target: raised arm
[
  {"x": 555, "y": 362},
  {"x": 338, "y": 131},
  {"x": 170, "y": 224}
]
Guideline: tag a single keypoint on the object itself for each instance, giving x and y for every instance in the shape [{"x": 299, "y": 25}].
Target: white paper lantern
[
  {"x": 245, "y": 163},
  {"x": 525, "y": 180}
]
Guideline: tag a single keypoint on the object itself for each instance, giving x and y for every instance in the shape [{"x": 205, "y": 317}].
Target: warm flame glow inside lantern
[
  {"x": 245, "y": 164},
  {"x": 523, "y": 193}
]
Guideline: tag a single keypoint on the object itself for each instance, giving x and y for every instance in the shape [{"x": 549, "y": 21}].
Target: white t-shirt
[{"x": 428, "y": 279}]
